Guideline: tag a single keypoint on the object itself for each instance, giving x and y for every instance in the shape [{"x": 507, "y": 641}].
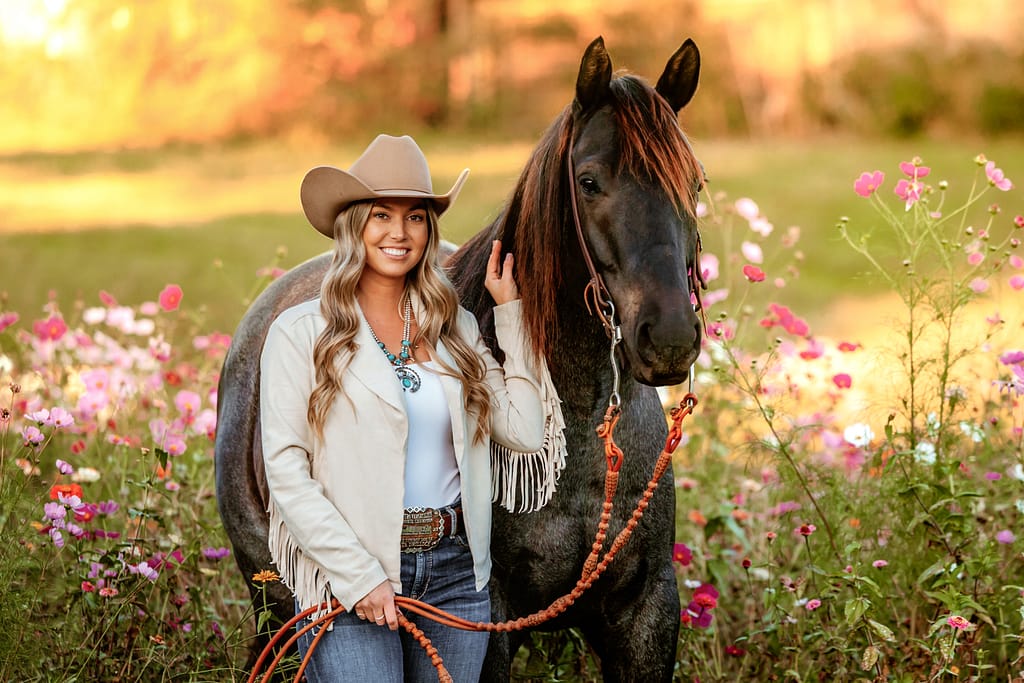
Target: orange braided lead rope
[{"x": 592, "y": 569}]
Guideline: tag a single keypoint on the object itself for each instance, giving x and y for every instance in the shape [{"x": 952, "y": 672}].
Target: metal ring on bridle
[{"x": 614, "y": 400}]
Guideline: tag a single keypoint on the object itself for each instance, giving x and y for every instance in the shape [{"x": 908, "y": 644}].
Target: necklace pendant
[{"x": 408, "y": 377}]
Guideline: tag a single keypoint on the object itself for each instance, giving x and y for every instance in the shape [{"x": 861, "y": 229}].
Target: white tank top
[{"x": 431, "y": 474}]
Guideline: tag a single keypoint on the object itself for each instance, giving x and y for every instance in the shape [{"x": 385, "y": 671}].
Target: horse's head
[{"x": 636, "y": 181}]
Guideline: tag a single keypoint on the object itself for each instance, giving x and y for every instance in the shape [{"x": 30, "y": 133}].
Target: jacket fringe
[
  {"x": 525, "y": 482},
  {"x": 306, "y": 580}
]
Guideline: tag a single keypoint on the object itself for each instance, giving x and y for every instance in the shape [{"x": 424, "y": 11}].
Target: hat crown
[{"x": 393, "y": 163}]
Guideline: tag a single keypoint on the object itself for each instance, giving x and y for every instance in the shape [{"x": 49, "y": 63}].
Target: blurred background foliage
[
  {"x": 102, "y": 73},
  {"x": 164, "y": 141}
]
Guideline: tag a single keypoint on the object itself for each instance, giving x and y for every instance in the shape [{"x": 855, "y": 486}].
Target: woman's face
[{"x": 395, "y": 237}]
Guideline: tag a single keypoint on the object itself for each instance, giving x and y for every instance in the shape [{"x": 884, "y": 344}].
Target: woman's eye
[
  {"x": 380, "y": 216},
  {"x": 589, "y": 185},
  {"x": 418, "y": 217}
]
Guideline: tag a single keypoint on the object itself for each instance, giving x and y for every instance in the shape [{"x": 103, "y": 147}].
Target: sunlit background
[
  {"x": 88, "y": 74},
  {"x": 195, "y": 119}
]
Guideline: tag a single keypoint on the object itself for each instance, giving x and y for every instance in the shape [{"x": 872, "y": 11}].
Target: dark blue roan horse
[{"x": 634, "y": 180}]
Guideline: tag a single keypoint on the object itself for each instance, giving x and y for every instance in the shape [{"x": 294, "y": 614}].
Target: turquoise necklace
[{"x": 406, "y": 375}]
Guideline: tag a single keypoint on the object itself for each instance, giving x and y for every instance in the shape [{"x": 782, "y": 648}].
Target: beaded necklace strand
[{"x": 406, "y": 375}]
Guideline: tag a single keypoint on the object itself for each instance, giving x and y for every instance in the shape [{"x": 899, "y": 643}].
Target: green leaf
[
  {"x": 162, "y": 456},
  {"x": 881, "y": 630},
  {"x": 934, "y": 570},
  {"x": 855, "y": 609},
  {"x": 870, "y": 657},
  {"x": 262, "y": 620}
]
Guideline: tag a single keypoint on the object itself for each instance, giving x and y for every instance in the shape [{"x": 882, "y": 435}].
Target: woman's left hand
[{"x": 499, "y": 281}]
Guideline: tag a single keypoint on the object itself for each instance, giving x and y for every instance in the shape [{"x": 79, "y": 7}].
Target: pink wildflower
[
  {"x": 908, "y": 191},
  {"x": 879, "y": 564},
  {"x": 108, "y": 592},
  {"x": 847, "y": 347},
  {"x": 914, "y": 169},
  {"x": 7, "y": 319},
  {"x": 1005, "y": 537},
  {"x": 51, "y": 329},
  {"x": 806, "y": 529},
  {"x": 187, "y": 402},
  {"x": 1018, "y": 221},
  {"x": 1017, "y": 282},
  {"x": 752, "y": 252},
  {"x": 170, "y": 297},
  {"x": 866, "y": 185},
  {"x": 842, "y": 380},
  {"x": 958, "y": 622},
  {"x": 996, "y": 178},
  {"x": 753, "y": 273},
  {"x": 682, "y": 554},
  {"x": 813, "y": 604}
]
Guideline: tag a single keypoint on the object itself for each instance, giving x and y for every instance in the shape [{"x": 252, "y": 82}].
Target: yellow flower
[{"x": 265, "y": 576}]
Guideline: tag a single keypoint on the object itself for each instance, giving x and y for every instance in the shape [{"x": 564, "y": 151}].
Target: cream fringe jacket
[{"x": 336, "y": 505}]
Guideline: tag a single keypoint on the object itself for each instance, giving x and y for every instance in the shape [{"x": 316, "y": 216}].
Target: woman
[{"x": 378, "y": 403}]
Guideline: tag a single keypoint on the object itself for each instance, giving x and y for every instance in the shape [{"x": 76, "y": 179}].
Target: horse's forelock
[{"x": 653, "y": 144}]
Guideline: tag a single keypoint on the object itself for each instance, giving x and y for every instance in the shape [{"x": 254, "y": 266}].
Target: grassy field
[{"x": 209, "y": 219}]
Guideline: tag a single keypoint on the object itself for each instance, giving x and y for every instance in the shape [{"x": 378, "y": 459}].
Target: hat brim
[{"x": 326, "y": 190}]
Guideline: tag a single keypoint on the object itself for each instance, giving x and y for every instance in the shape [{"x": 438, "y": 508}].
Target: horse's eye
[{"x": 589, "y": 185}]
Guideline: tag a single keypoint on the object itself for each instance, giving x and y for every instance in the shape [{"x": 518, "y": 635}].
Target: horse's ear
[
  {"x": 592, "y": 84},
  {"x": 679, "y": 80}
]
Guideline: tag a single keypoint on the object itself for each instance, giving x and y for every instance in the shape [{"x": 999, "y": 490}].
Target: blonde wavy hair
[{"x": 336, "y": 345}]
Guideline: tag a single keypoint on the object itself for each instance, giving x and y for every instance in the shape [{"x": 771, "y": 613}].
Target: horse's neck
[{"x": 581, "y": 362}]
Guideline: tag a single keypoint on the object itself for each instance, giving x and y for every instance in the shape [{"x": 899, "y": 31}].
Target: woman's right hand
[{"x": 378, "y": 606}]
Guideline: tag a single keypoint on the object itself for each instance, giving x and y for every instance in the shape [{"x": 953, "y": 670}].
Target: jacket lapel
[{"x": 372, "y": 368}]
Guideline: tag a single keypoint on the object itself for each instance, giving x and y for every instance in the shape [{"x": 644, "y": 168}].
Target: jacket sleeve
[
  {"x": 517, "y": 410},
  {"x": 316, "y": 528}
]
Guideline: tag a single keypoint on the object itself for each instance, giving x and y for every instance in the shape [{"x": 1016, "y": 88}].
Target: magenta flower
[
  {"x": 753, "y": 273},
  {"x": 908, "y": 191},
  {"x": 879, "y": 564},
  {"x": 842, "y": 380},
  {"x": 866, "y": 185},
  {"x": 914, "y": 169},
  {"x": 682, "y": 554},
  {"x": 806, "y": 529},
  {"x": 958, "y": 622},
  {"x": 813, "y": 604},
  {"x": 705, "y": 598},
  {"x": 215, "y": 553},
  {"x": 170, "y": 297},
  {"x": 1018, "y": 221},
  {"x": 7, "y": 319},
  {"x": 975, "y": 258},
  {"x": 1006, "y": 537},
  {"x": 1017, "y": 282},
  {"x": 996, "y": 178},
  {"x": 51, "y": 329},
  {"x": 1012, "y": 357}
]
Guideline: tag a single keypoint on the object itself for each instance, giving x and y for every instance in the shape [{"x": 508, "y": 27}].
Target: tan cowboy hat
[{"x": 390, "y": 167}]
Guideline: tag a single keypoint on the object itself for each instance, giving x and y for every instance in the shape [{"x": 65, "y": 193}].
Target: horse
[{"x": 602, "y": 224}]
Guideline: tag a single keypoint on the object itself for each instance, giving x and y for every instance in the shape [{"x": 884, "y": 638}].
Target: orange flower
[
  {"x": 697, "y": 518},
  {"x": 854, "y": 523},
  {"x": 66, "y": 489},
  {"x": 265, "y": 576}
]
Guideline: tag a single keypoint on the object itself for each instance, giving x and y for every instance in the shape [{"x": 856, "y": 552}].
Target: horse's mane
[{"x": 537, "y": 217}]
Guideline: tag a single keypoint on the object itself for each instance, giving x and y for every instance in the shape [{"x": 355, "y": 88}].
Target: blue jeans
[{"x": 357, "y": 650}]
